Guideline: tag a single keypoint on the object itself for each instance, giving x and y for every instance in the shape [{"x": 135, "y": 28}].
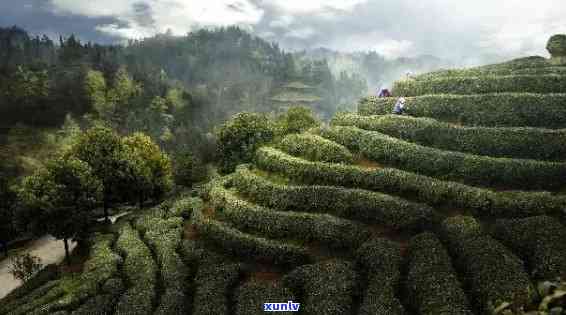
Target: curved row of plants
[
  {"x": 380, "y": 261},
  {"x": 518, "y": 142},
  {"x": 494, "y": 71},
  {"x": 449, "y": 165},
  {"x": 496, "y": 277},
  {"x": 489, "y": 110},
  {"x": 255, "y": 219},
  {"x": 245, "y": 245},
  {"x": 481, "y": 85},
  {"x": 315, "y": 148},
  {"x": 482, "y": 202},
  {"x": 355, "y": 204}
]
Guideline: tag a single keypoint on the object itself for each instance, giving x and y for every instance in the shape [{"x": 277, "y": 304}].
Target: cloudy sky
[{"x": 444, "y": 28}]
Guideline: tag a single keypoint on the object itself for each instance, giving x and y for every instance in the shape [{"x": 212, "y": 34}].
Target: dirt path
[{"x": 50, "y": 250}]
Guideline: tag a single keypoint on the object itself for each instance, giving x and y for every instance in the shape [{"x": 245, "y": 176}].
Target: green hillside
[{"x": 456, "y": 208}]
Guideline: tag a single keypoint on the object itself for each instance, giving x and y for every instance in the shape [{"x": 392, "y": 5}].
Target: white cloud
[
  {"x": 302, "y": 6},
  {"x": 179, "y": 16},
  {"x": 301, "y": 33},
  {"x": 391, "y": 48}
]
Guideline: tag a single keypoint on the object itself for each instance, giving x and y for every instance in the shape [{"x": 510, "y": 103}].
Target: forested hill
[{"x": 225, "y": 71}]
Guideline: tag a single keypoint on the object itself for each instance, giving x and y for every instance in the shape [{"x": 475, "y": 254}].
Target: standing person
[{"x": 399, "y": 108}]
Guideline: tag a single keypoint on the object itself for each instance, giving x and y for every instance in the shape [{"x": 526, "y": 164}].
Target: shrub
[
  {"x": 248, "y": 246},
  {"x": 98, "y": 305},
  {"x": 329, "y": 287},
  {"x": 212, "y": 284},
  {"x": 504, "y": 109},
  {"x": 140, "y": 271},
  {"x": 494, "y": 275},
  {"x": 184, "y": 207},
  {"x": 315, "y": 148},
  {"x": 355, "y": 204},
  {"x": 380, "y": 260},
  {"x": 251, "y": 296},
  {"x": 432, "y": 285},
  {"x": 549, "y": 83},
  {"x": 164, "y": 236},
  {"x": 482, "y": 202},
  {"x": 539, "y": 241},
  {"x": 450, "y": 165},
  {"x": 25, "y": 266},
  {"x": 239, "y": 137},
  {"x": 255, "y": 219},
  {"x": 523, "y": 143},
  {"x": 297, "y": 119},
  {"x": 480, "y": 72}
]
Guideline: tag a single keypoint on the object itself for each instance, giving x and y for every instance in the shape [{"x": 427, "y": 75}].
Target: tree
[
  {"x": 7, "y": 201},
  {"x": 59, "y": 199},
  {"x": 239, "y": 137},
  {"x": 95, "y": 91},
  {"x": 296, "y": 120},
  {"x": 103, "y": 150},
  {"x": 153, "y": 171}
]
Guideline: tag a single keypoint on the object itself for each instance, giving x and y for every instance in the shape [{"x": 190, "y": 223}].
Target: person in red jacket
[{"x": 384, "y": 93}]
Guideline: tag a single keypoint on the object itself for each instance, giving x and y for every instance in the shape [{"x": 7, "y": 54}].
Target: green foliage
[
  {"x": 95, "y": 90},
  {"x": 450, "y": 165},
  {"x": 42, "y": 281},
  {"x": 246, "y": 245},
  {"x": 251, "y": 295},
  {"x": 164, "y": 236},
  {"x": 315, "y": 148},
  {"x": 492, "y": 110},
  {"x": 155, "y": 166},
  {"x": 329, "y": 287},
  {"x": 58, "y": 199},
  {"x": 140, "y": 270},
  {"x": 432, "y": 285},
  {"x": 25, "y": 266},
  {"x": 188, "y": 169},
  {"x": 297, "y": 119},
  {"x": 481, "y": 85},
  {"x": 104, "y": 151},
  {"x": 482, "y": 202},
  {"x": 556, "y": 45},
  {"x": 494, "y": 275},
  {"x": 539, "y": 242},
  {"x": 239, "y": 137},
  {"x": 380, "y": 259},
  {"x": 355, "y": 204},
  {"x": 255, "y": 219},
  {"x": 213, "y": 282},
  {"x": 519, "y": 142}
]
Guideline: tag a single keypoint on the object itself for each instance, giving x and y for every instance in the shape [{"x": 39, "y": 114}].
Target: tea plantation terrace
[{"x": 455, "y": 208}]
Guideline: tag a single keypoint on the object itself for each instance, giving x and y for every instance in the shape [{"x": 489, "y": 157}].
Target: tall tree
[{"x": 58, "y": 199}]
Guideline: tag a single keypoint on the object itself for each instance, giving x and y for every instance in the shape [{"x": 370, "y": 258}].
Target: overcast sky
[{"x": 444, "y": 28}]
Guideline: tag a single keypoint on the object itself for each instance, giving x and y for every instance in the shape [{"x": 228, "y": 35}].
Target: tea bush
[
  {"x": 549, "y": 83},
  {"x": 355, "y": 204},
  {"x": 251, "y": 295},
  {"x": 482, "y": 202},
  {"x": 251, "y": 218},
  {"x": 432, "y": 285},
  {"x": 494, "y": 275},
  {"x": 518, "y": 142},
  {"x": 328, "y": 287},
  {"x": 246, "y": 245},
  {"x": 315, "y": 148},
  {"x": 539, "y": 241},
  {"x": 380, "y": 259},
  {"x": 490, "y": 110},
  {"x": 449, "y": 165}
]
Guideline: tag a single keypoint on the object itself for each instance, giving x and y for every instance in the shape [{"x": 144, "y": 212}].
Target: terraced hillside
[{"x": 455, "y": 208}]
